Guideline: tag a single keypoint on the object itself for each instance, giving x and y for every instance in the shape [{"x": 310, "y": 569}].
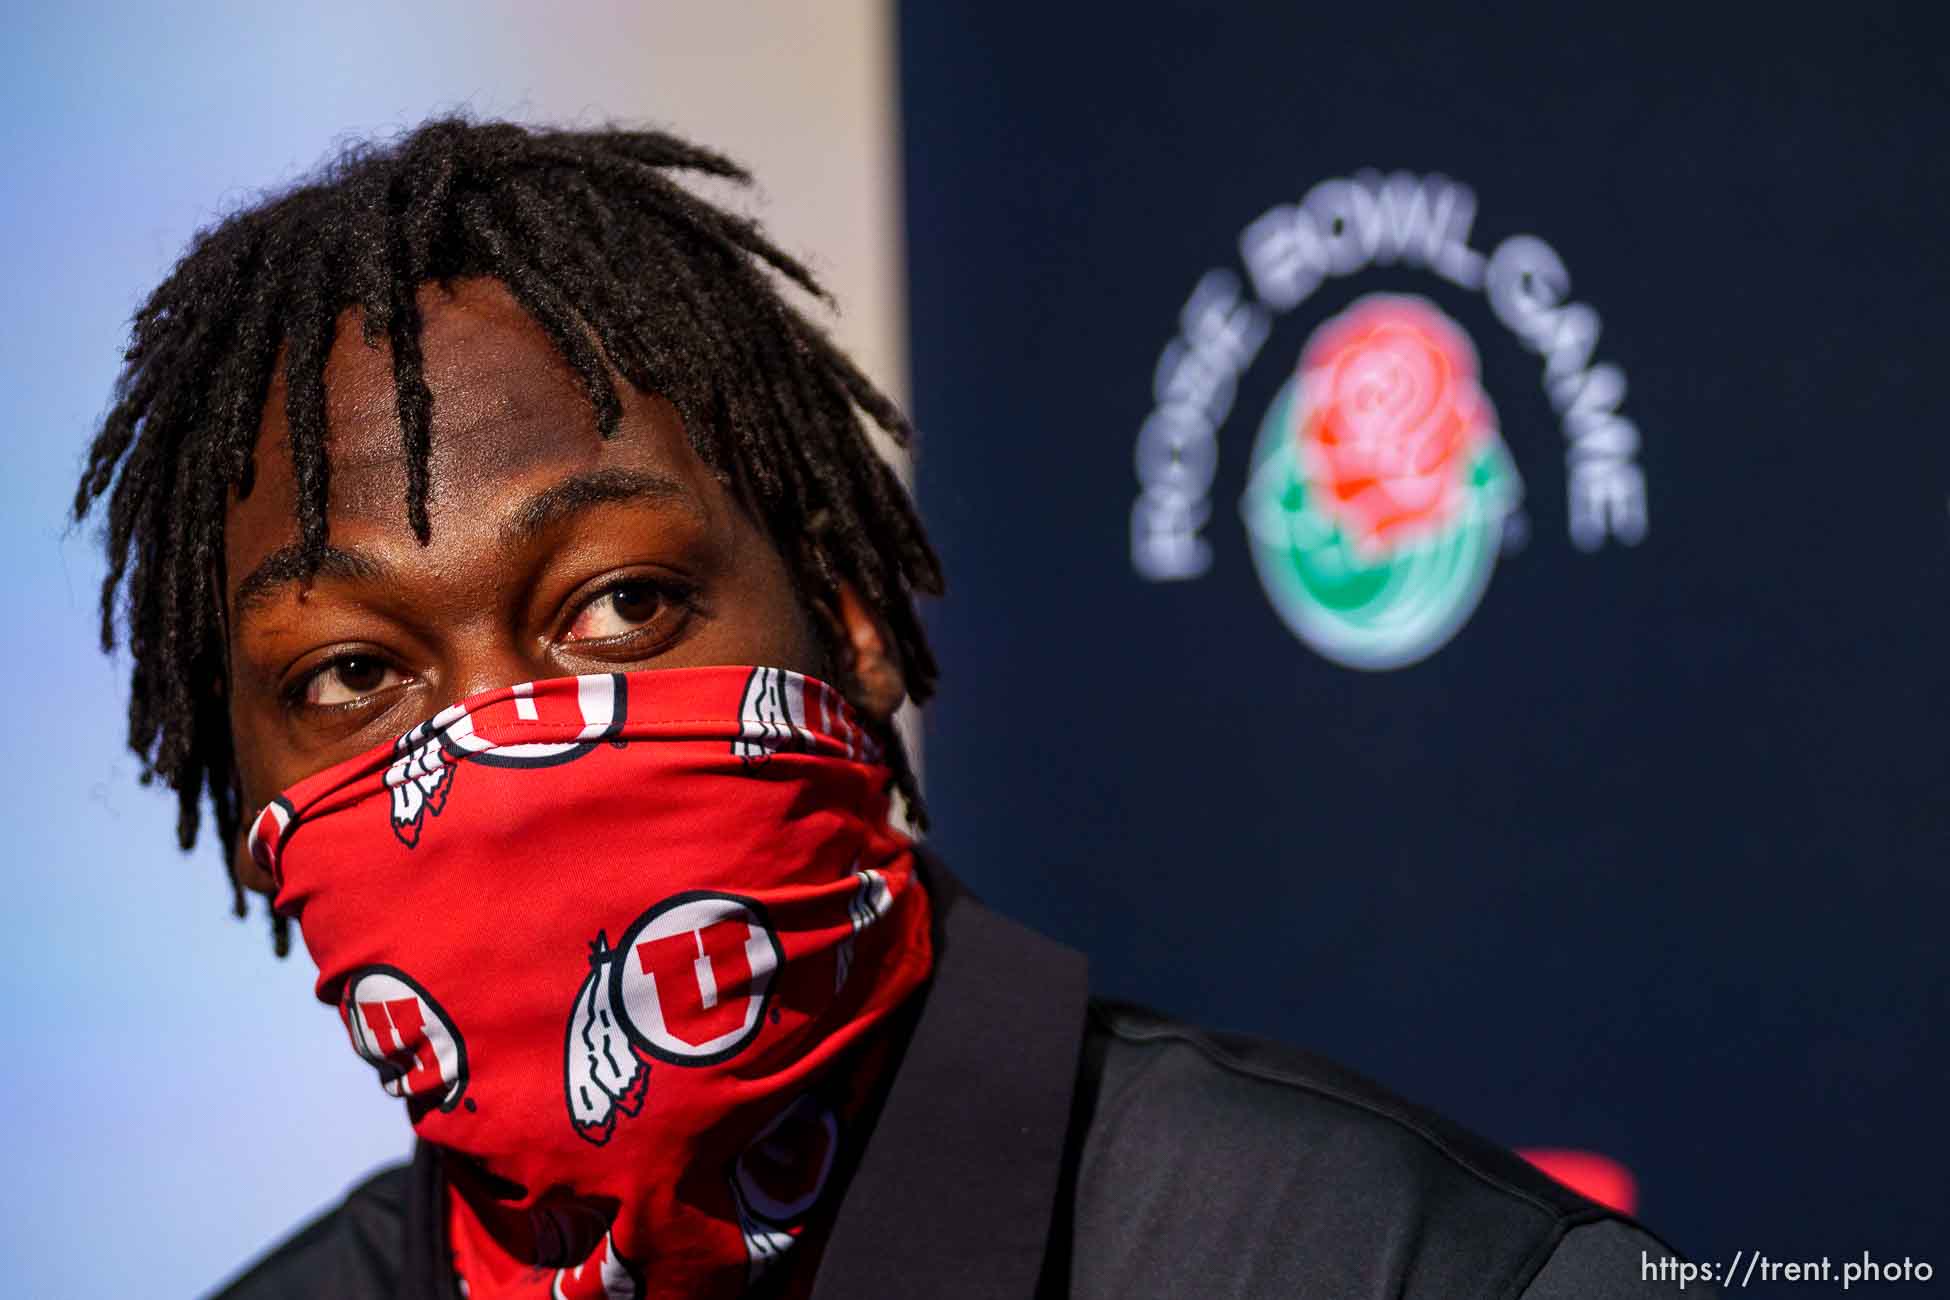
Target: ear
[
  {"x": 869, "y": 669},
  {"x": 249, "y": 874}
]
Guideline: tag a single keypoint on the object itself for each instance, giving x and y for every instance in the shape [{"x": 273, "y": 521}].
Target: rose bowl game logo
[
  {"x": 1380, "y": 492},
  {"x": 1379, "y": 486}
]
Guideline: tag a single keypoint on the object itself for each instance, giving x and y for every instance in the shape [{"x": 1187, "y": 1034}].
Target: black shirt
[{"x": 1036, "y": 1142}]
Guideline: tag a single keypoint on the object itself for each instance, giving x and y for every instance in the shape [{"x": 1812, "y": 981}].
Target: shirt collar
[{"x": 955, "y": 1192}]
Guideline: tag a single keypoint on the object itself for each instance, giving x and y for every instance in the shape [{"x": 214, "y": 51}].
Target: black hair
[{"x": 620, "y": 265}]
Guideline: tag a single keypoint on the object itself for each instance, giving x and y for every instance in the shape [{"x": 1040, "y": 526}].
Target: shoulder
[
  {"x": 1214, "y": 1164},
  {"x": 353, "y": 1249}
]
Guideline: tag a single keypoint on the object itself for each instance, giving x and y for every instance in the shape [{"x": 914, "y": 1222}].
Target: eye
[
  {"x": 349, "y": 678},
  {"x": 619, "y": 611}
]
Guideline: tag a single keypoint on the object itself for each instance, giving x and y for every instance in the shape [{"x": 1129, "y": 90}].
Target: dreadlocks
[{"x": 622, "y": 267}]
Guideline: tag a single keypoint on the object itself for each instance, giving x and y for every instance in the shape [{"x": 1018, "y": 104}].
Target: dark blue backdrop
[{"x": 1650, "y": 858}]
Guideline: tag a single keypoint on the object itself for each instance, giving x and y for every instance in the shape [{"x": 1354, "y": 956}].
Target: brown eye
[
  {"x": 349, "y": 678},
  {"x": 617, "y": 612}
]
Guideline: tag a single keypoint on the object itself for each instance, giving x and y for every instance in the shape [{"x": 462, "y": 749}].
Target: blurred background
[{"x": 1588, "y": 784}]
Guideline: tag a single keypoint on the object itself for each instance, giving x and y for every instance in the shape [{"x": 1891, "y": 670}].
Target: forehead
[{"x": 507, "y": 409}]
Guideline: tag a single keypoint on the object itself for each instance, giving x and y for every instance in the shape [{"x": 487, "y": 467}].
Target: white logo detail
[
  {"x": 597, "y": 697},
  {"x": 602, "y": 1076},
  {"x": 773, "y": 715},
  {"x": 422, "y": 776},
  {"x": 418, "y": 780},
  {"x": 279, "y": 814},
  {"x": 694, "y": 974},
  {"x": 397, "y": 1028},
  {"x": 606, "y": 1267},
  {"x": 869, "y": 903}
]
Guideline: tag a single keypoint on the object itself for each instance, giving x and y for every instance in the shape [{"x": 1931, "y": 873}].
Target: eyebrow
[
  {"x": 288, "y": 564},
  {"x": 543, "y": 510},
  {"x": 598, "y": 487}
]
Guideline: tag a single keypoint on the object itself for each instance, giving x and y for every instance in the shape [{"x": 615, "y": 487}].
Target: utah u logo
[
  {"x": 402, "y": 1032},
  {"x": 687, "y": 985},
  {"x": 500, "y": 732}
]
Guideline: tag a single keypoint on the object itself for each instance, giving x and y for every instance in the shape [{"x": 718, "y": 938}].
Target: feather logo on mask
[
  {"x": 604, "y": 1076},
  {"x": 869, "y": 903},
  {"x": 773, "y": 715},
  {"x": 419, "y": 780},
  {"x": 687, "y": 985},
  {"x": 780, "y": 712}
]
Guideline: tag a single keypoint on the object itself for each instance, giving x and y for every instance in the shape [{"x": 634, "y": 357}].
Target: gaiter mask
[{"x": 621, "y": 942}]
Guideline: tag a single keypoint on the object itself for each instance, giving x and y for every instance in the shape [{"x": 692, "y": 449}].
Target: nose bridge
[
  {"x": 486, "y": 657},
  {"x": 474, "y": 638},
  {"x": 467, "y": 602}
]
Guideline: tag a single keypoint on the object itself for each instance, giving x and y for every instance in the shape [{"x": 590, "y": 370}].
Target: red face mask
[{"x": 609, "y": 938}]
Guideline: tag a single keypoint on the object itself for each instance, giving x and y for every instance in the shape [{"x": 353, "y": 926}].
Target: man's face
[{"x": 554, "y": 552}]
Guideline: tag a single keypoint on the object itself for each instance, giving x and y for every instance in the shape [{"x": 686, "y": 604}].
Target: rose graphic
[
  {"x": 1390, "y": 420},
  {"x": 1379, "y": 486}
]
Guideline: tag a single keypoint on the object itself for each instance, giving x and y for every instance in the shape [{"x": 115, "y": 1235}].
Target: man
[{"x": 506, "y": 563}]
